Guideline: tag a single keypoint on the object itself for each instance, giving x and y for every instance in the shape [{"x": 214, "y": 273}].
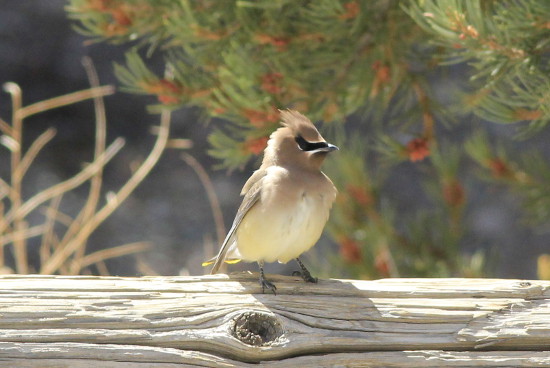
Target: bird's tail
[
  {"x": 225, "y": 249},
  {"x": 212, "y": 260}
]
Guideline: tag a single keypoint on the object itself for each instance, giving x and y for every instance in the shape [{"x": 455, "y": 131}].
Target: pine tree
[{"x": 243, "y": 60}]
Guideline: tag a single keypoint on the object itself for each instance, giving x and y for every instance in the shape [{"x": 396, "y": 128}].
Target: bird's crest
[{"x": 300, "y": 125}]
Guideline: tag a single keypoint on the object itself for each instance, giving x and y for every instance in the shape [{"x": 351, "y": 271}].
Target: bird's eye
[{"x": 308, "y": 146}]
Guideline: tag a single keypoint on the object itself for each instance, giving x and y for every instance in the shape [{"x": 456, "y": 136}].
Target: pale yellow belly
[{"x": 281, "y": 234}]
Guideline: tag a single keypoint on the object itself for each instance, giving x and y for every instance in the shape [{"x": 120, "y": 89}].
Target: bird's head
[{"x": 296, "y": 143}]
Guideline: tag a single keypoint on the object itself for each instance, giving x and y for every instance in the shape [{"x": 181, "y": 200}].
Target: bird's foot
[
  {"x": 305, "y": 276},
  {"x": 304, "y": 273},
  {"x": 266, "y": 284}
]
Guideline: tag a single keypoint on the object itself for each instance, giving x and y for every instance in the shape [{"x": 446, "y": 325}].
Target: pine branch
[
  {"x": 242, "y": 61},
  {"x": 506, "y": 44}
]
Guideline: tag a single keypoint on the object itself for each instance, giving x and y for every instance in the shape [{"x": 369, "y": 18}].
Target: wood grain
[{"x": 211, "y": 321}]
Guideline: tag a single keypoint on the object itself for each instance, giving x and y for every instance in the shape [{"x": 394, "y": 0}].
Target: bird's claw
[
  {"x": 265, "y": 284},
  {"x": 304, "y": 273},
  {"x": 305, "y": 276},
  {"x": 309, "y": 278}
]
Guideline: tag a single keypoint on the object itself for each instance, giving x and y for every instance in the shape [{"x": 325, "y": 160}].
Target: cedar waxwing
[{"x": 286, "y": 201}]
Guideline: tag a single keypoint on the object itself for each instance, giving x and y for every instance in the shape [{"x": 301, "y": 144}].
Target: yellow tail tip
[
  {"x": 232, "y": 261},
  {"x": 211, "y": 261}
]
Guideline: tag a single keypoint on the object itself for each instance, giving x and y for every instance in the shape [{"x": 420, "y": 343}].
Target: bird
[{"x": 286, "y": 202}]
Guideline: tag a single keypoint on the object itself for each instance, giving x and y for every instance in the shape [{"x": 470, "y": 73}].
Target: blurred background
[{"x": 42, "y": 53}]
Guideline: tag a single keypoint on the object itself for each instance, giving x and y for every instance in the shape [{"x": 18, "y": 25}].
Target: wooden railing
[{"x": 211, "y": 321}]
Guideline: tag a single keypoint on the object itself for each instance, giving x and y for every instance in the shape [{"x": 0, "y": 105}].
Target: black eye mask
[{"x": 308, "y": 146}]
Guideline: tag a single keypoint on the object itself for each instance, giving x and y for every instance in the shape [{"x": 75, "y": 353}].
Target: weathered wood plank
[
  {"x": 221, "y": 321},
  {"x": 79, "y": 355}
]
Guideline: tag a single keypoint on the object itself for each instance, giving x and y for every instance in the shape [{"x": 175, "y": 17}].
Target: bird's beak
[
  {"x": 328, "y": 148},
  {"x": 332, "y": 147}
]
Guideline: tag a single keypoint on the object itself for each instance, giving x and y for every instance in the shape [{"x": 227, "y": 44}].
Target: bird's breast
[{"x": 283, "y": 225}]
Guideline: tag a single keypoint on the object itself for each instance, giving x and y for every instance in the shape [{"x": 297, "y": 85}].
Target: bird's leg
[
  {"x": 264, "y": 282},
  {"x": 305, "y": 273}
]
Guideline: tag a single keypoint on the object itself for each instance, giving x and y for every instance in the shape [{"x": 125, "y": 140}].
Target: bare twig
[
  {"x": 179, "y": 143},
  {"x": 33, "y": 151},
  {"x": 16, "y": 101},
  {"x": 48, "y": 236},
  {"x": 96, "y": 181},
  {"x": 59, "y": 257},
  {"x": 64, "y": 268},
  {"x": 102, "y": 268},
  {"x": 68, "y": 99},
  {"x": 54, "y": 252},
  {"x": 66, "y": 185},
  {"x": 5, "y": 190},
  {"x": 26, "y": 233},
  {"x": 1, "y": 224},
  {"x": 5, "y": 127},
  {"x": 19, "y": 242},
  {"x": 59, "y": 217},
  {"x": 15, "y": 217},
  {"x": 121, "y": 250},
  {"x": 210, "y": 193},
  {"x": 143, "y": 267}
]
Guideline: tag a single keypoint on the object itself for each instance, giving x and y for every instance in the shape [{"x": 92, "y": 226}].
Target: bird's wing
[
  {"x": 254, "y": 178},
  {"x": 251, "y": 197}
]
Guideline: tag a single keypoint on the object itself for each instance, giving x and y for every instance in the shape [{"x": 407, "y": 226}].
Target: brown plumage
[{"x": 286, "y": 201}]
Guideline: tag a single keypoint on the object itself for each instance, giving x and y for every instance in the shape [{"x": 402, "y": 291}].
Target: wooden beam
[{"x": 86, "y": 321}]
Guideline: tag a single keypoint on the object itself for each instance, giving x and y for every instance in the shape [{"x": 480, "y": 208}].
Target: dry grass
[{"x": 64, "y": 238}]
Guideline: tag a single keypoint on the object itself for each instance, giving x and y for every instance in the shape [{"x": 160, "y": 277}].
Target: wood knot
[{"x": 257, "y": 328}]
